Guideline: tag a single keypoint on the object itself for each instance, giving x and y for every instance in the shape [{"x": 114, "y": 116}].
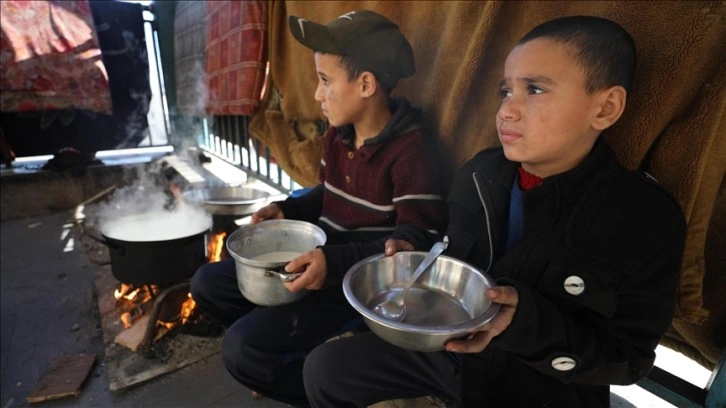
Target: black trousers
[
  {"x": 264, "y": 347},
  {"x": 362, "y": 370}
]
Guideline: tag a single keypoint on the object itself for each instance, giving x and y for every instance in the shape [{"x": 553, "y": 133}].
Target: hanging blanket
[
  {"x": 236, "y": 55},
  {"x": 673, "y": 126},
  {"x": 51, "y": 58},
  {"x": 119, "y": 27}
]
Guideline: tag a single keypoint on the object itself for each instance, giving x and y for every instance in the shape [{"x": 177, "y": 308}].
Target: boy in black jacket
[
  {"x": 379, "y": 179},
  {"x": 587, "y": 253}
]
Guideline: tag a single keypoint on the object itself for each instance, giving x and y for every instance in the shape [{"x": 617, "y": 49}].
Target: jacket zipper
[{"x": 486, "y": 218}]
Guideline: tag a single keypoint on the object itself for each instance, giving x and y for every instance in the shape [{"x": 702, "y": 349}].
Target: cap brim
[{"x": 313, "y": 35}]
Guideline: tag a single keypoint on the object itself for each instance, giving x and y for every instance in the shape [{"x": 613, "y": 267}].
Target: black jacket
[{"x": 596, "y": 271}]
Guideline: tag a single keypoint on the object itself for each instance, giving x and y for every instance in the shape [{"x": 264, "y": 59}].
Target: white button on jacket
[
  {"x": 563, "y": 363},
  {"x": 574, "y": 285}
]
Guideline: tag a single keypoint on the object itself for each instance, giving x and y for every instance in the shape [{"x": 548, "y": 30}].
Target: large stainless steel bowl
[
  {"x": 261, "y": 252},
  {"x": 228, "y": 200},
  {"x": 447, "y": 302}
]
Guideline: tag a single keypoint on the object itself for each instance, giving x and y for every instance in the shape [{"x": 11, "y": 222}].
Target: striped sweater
[{"x": 391, "y": 187}]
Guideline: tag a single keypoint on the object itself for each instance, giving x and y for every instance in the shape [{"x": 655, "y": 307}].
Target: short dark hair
[
  {"x": 354, "y": 70},
  {"x": 605, "y": 50}
]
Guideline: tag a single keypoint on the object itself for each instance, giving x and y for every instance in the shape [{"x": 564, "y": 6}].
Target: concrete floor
[{"x": 48, "y": 310}]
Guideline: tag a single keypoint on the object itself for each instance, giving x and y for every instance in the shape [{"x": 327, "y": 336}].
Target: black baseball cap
[{"x": 372, "y": 41}]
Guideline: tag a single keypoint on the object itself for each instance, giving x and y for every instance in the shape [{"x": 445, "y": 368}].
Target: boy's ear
[
  {"x": 368, "y": 84},
  {"x": 612, "y": 105}
]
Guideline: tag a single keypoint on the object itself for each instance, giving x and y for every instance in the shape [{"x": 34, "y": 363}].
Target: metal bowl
[
  {"x": 447, "y": 302},
  {"x": 261, "y": 252},
  {"x": 238, "y": 200}
]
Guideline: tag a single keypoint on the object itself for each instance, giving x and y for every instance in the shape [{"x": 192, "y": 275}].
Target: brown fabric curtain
[{"x": 673, "y": 127}]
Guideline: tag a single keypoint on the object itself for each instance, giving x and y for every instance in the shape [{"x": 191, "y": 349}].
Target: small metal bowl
[{"x": 447, "y": 302}]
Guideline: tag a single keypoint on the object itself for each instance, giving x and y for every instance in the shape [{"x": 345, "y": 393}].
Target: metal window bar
[{"x": 228, "y": 138}]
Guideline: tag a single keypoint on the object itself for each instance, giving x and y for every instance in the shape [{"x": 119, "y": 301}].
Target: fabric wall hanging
[
  {"x": 236, "y": 56},
  {"x": 51, "y": 58}
]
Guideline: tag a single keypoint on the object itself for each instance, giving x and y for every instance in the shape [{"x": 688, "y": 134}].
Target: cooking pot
[
  {"x": 261, "y": 252},
  {"x": 156, "y": 248},
  {"x": 238, "y": 200}
]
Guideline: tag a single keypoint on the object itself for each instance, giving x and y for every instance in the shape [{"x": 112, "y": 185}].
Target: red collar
[{"x": 527, "y": 180}]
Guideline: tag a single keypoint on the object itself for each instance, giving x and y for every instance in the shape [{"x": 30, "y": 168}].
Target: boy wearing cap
[
  {"x": 586, "y": 253},
  {"x": 379, "y": 180}
]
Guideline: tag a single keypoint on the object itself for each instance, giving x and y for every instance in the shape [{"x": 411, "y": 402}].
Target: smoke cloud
[{"x": 143, "y": 211}]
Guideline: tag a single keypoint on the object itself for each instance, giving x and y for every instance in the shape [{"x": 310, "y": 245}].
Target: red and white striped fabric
[{"x": 236, "y": 56}]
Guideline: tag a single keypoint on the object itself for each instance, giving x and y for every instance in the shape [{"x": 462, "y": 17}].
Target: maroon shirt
[{"x": 391, "y": 187}]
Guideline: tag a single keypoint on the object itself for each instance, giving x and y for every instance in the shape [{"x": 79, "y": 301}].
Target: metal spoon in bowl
[{"x": 395, "y": 308}]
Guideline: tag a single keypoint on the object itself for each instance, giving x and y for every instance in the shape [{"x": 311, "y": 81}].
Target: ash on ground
[{"x": 201, "y": 325}]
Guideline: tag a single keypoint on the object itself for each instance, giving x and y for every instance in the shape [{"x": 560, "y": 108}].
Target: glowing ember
[
  {"x": 215, "y": 246},
  {"x": 132, "y": 302},
  {"x": 187, "y": 308},
  {"x": 166, "y": 325},
  {"x": 127, "y": 320},
  {"x": 126, "y": 291}
]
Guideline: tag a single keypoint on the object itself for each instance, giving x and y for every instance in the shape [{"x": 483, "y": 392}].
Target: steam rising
[
  {"x": 158, "y": 226},
  {"x": 139, "y": 212}
]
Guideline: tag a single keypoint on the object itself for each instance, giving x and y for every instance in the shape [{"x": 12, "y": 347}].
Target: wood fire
[
  {"x": 137, "y": 307},
  {"x": 187, "y": 308},
  {"x": 215, "y": 246},
  {"x": 132, "y": 302}
]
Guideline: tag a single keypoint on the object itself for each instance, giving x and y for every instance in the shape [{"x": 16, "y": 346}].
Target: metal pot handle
[
  {"x": 120, "y": 249},
  {"x": 282, "y": 276}
]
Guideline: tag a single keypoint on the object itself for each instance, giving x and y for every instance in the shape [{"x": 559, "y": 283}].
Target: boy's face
[
  {"x": 338, "y": 97},
  {"x": 546, "y": 116}
]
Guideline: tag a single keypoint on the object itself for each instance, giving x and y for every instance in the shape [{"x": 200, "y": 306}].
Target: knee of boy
[
  {"x": 318, "y": 369},
  {"x": 199, "y": 282},
  {"x": 243, "y": 359},
  {"x": 232, "y": 349}
]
